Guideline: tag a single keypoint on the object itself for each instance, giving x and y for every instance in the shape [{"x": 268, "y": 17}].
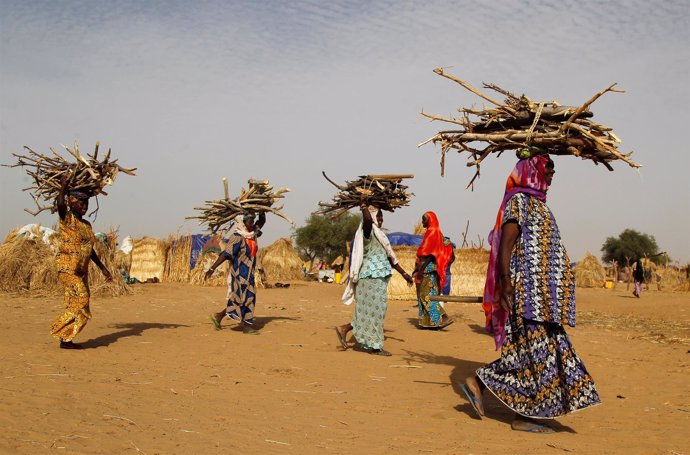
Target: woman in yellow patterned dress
[{"x": 75, "y": 253}]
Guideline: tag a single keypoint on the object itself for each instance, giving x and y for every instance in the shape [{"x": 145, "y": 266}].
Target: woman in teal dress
[{"x": 371, "y": 267}]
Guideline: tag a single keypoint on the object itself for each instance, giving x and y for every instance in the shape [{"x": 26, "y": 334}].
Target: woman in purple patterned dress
[{"x": 529, "y": 297}]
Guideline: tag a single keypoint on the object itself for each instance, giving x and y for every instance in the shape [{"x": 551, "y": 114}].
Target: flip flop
[
  {"x": 380, "y": 352},
  {"x": 341, "y": 339},
  {"x": 474, "y": 401},
  {"x": 538, "y": 429},
  {"x": 215, "y": 321},
  {"x": 446, "y": 324}
]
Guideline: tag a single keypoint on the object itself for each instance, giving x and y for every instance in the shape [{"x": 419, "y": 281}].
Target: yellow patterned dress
[{"x": 76, "y": 244}]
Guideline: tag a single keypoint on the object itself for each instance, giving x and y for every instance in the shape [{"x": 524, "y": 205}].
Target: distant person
[
  {"x": 638, "y": 278},
  {"x": 371, "y": 267},
  {"x": 241, "y": 252},
  {"x": 73, "y": 258},
  {"x": 528, "y": 298},
  {"x": 434, "y": 256}
]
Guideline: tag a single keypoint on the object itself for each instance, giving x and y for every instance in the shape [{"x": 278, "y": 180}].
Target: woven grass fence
[
  {"x": 148, "y": 259},
  {"x": 468, "y": 272}
]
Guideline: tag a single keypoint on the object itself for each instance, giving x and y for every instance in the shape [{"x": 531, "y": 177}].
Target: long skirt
[
  {"x": 370, "y": 310},
  {"x": 539, "y": 375},
  {"x": 430, "y": 311},
  {"x": 76, "y": 300}
]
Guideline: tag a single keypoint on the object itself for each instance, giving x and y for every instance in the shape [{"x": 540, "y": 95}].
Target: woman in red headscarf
[{"x": 434, "y": 256}]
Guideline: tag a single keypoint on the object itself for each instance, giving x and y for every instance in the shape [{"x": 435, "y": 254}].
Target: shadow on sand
[{"x": 127, "y": 330}]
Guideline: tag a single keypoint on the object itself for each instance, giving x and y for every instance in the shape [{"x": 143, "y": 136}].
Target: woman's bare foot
[{"x": 521, "y": 423}]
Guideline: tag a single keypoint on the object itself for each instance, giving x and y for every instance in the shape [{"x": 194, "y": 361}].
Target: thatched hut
[
  {"x": 280, "y": 262},
  {"x": 148, "y": 259},
  {"x": 468, "y": 272},
  {"x": 589, "y": 273},
  {"x": 29, "y": 266}
]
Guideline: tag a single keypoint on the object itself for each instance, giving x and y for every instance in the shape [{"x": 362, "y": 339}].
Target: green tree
[
  {"x": 325, "y": 238},
  {"x": 629, "y": 246}
]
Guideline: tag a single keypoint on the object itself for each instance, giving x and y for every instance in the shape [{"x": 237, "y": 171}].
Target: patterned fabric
[
  {"x": 375, "y": 263},
  {"x": 539, "y": 375},
  {"x": 74, "y": 253},
  {"x": 430, "y": 311},
  {"x": 543, "y": 279},
  {"x": 242, "y": 293},
  {"x": 370, "y": 311},
  {"x": 528, "y": 176},
  {"x": 434, "y": 244},
  {"x": 77, "y": 313},
  {"x": 76, "y": 244}
]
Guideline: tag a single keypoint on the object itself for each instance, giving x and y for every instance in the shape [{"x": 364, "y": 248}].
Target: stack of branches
[
  {"x": 383, "y": 191},
  {"x": 527, "y": 126},
  {"x": 88, "y": 175},
  {"x": 258, "y": 198}
]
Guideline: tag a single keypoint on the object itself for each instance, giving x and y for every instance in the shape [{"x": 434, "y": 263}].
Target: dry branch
[
  {"x": 88, "y": 175},
  {"x": 528, "y": 127},
  {"x": 258, "y": 198},
  {"x": 384, "y": 191}
]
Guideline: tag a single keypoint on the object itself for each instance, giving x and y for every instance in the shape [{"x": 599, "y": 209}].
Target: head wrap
[
  {"x": 432, "y": 245},
  {"x": 81, "y": 195},
  {"x": 527, "y": 177},
  {"x": 357, "y": 254}
]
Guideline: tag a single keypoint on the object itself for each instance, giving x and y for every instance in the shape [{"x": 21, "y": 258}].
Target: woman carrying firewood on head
[
  {"x": 528, "y": 298},
  {"x": 74, "y": 254},
  {"x": 241, "y": 252},
  {"x": 371, "y": 267},
  {"x": 434, "y": 256}
]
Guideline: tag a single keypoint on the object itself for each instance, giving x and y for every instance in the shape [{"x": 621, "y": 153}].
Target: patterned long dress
[
  {"x": 430, "y": 311},
  {"x": 76, "y": 244},
  {"x": 539, "y": 375},
  {"x": 242, "y": 295},
  {"x": 371, "y": 295}
]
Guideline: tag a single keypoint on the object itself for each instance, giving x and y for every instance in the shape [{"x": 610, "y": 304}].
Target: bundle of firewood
[
  {"x": 383, "y": 191},
  {"x": 259, "y": 197},
  {"x": 527, "y": 127},
  {"x": 88, "y": 175}
]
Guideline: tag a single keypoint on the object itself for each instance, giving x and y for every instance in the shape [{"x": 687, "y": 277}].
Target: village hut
[
  {"x": 148, "y": 259},
  {"x": 589, "y": 273},
  {"x": 280, "y": 262},
  {"x": 28, "y": 265},
  {"x": 178, "y": 261},
  {"x": 468, "y": 272}
]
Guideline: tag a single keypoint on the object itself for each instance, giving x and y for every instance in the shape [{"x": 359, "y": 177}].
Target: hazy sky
[{"x": 190, "y": 92}]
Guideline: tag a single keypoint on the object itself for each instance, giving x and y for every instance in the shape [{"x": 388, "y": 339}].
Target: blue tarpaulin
[{"x": 403, "y": 239}]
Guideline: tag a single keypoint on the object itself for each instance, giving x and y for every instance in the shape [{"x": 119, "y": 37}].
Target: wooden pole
[{"x": 456, "y": 298}]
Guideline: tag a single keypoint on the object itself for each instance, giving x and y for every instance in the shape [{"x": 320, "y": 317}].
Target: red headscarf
[
  {"x": 432, "y": 245},
  {"x": 527, "y": 177}
]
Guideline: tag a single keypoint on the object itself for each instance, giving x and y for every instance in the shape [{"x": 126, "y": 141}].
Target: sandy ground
[{"x": 158, "y": 379}]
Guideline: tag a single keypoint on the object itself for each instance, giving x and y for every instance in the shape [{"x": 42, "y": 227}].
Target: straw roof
[
  {"x": 148, "y": 259},
  {"x": 178, "y": 260},
  {"x": 280, "y": 261},
  {"x": 589, "y": 273},
  {"x": 468, "y": 272}
]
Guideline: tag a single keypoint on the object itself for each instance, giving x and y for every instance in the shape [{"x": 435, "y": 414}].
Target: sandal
[
  {"x": 380, "y": 352},
  {"x": 474, "y": 401},
  {"x": 215, "y": 321},
  {"x": 341, "y": 339}
]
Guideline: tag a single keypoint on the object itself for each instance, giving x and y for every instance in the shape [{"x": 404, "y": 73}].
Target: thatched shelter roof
[
  {"x": 280, "y": 261},
  {"x": 148, "y": 259},
  {"x": 589, "y": 273}
]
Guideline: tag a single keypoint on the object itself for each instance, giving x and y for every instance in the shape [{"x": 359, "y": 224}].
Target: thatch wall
[
  {"x": 589, "y": 273},
  {"x": 219, "y": 277},
  {"x": 280, "y": 262},
  {"x": 29, "y": 266},
  {"x": 178, "y": 259},
  {"x": 468, "y": 272},
  {"x": 148, "y": 259}
]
